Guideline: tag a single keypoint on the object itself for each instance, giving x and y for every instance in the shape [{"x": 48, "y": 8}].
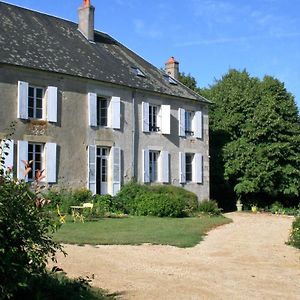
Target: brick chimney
[
  {"x": 86, "y": 19},
  {"x": 172, "y": 67}
]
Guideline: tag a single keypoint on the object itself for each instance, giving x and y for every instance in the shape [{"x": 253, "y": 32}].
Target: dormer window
[
  {"x": 170, "y": 79},
  {"x": 138, "y": 72}
]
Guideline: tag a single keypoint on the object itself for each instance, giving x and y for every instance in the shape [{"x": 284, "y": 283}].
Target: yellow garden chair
[{"x": 62, "y": 217}]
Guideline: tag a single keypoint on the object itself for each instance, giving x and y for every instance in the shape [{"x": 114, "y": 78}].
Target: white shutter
[
  {"x": 166, "y": 119},
  {"x": 164, "y": 165},
  {"x": 91, "y": 182},
  {"x": 22, "y": 100},
  {"x": 115, "y": 110},
  {"x": 181, "y": 121},
  {"x": 146, "y": 174},
  {"x": 198, "y": 168},
  {"x": 198, "y": 125},
  {"x": 145, "y": 116},
  {"x": 92, "y": 107},
  {"x": 182, "y": 167},
  {"x": 50, "y": 170},
  {"x": 52, "y": 104},
  {"x": 7, "y": 146},
  {"x": 22, "y": 154},
  {"x": 116, "y": 170}
]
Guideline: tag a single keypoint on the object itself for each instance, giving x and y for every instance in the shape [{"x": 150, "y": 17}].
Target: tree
[{"x": 189, "y": 81}]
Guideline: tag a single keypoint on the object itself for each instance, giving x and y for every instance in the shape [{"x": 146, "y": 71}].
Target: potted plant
[
  {"x": 239, "y": 205},
  {"x": 254, "y": 207}
]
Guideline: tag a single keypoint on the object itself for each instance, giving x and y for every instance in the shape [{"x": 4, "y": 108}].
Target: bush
[
  {"x": 294, "y": 239},
  {"x": 25, "y": 242},
  {"x": 103, "y": 204},
  {"x": 209, "y": 207}
]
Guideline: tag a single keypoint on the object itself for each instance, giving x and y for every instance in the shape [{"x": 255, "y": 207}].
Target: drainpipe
[{"x": 133, "y": 135}]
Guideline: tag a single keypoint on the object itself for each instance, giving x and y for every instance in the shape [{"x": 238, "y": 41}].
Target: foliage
[
  {"x": 103, "y": 204},
  {"x": 255, "y": 139},
  {"x": 179, "y": 232},
  {"x": 294, "y": 239},
  {"x": 188, "y": 80},
  {"x": 159, "y": 201},
  {"x": 209, "y": 207},
  {"x": 25, "y": 243}
]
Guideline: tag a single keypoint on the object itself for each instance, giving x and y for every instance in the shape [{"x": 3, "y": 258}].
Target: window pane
[
  {"x": 39, "y": 93},
  {"x": 30, "y": 91},
  {"x": 39, "y": 103},
  {"x": 39, "y": 113}
]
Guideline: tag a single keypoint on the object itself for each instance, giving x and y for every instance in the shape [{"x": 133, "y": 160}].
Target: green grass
[{"x": 180, "y": 232}]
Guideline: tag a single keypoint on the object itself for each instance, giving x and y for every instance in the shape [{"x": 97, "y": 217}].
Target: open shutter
[
  {"x": 182, "y": 167},
  {"x": 146, "y": 175},
  {"x": 198, "y": 168},
  {"x": 91, "y": 182},
  {"x": 145, "y": 116},
  {"x": 52, "y": 104},
  {"x": 7, "y": 147},
  {"x": 166, "y": 119},
  {"x": 164, "y": 164},
  {"x": 181, "y": 121},
  {"x": 115, "y": 110},
  {"x": 22, "y": 155},
  {"x": 22, "y": 100},
  {"x": 92, "y": 106},
  {"x": 50, "y": 153},
  {"x": 116, "y": 170},
  {"x": 198, "y": 125}
]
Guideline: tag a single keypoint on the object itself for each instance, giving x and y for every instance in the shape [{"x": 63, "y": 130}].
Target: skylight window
[
  {"x": 138, "y": 72},
  {"x": 170, "y": 79}
]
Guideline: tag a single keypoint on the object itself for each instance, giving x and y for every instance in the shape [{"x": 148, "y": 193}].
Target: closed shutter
[
  {"x": 198, "y": 124},
  {"x": 116, "y": 171},
  {"x": 198, "y": 168},
  {"x": 181, "y": 121},
  {"x": 7, "y": 147},
  {"x": 145, "y": 116},
  {"x": 164, "y": 160},
  {"x": 146, "y": 174},
  {"x": 182, "y": 167},
  {"x": 50, "y": 153},
  {"x": 92, "y": 107},
  {"x": 52, "y": 104},
  {"x": 91, "y": 182},
  {"x": 115, "y": 110},
  {"x": 22, "y": 155},
  {"x": 166, "y": 119},
  {"x": 22, "y": 100}
]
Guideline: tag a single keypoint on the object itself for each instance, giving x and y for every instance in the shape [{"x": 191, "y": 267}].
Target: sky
[{"x": 207, "y": 37}]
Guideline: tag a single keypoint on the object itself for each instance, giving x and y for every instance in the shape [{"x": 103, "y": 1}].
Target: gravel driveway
[{"x": 247, "y": 259}]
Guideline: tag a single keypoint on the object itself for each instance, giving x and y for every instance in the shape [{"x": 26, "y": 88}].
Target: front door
[{"x": 101, "y": 167}]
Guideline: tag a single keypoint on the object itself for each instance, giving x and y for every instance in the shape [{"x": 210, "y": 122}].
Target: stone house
[{"x": 91, "y": 112}]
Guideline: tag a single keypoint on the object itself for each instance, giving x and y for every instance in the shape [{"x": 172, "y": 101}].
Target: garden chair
[{"x": 62, "y": 217}]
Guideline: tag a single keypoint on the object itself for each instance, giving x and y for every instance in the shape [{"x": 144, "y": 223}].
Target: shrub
[
  {"x": 294, "y": 239},
  {"x": 103, "y": 204},
  {"x": 209, "y": 207}
]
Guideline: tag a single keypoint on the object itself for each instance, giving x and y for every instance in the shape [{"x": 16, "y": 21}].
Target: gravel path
[{"x": 247, "y": 259}]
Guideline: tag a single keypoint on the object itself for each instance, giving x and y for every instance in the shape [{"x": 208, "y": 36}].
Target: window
[
  {"x": 35, "y": 102},
  {"x": 189, "y": 166},
  {"x": 188, "y": 123},
  {"x": 102, "y": 108},
  {"x": 35, "y": 153},
  {"x": 153, "y": 113},
  {"x": 170, "y": 80},
  {"x": 102, "y": 168},
  {"x": 138, "y": 72},
  {"x": 153, "y": 158}
]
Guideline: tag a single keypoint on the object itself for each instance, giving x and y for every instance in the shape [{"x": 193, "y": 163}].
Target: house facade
[{"x": 92, "y": 113}]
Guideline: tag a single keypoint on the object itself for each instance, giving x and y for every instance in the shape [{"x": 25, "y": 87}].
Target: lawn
[{"x": 180, "y": 232}]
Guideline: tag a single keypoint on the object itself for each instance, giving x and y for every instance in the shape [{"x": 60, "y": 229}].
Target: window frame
[
  {"x": 189, "y": 120},
  {"x": 100, "y": 118},
  {"x": 189, "y": 167},
  {"x": 34, "y": 107},
  {"x": 153, "y": 118},
  {"x": 41, "y": 161},
  {"x": 153, "y": 165}
]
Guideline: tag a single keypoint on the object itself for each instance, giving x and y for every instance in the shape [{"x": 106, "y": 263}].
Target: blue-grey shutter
[
  {"x": 198, "y": 124},
  {"x": 115, "y": 104},
  {"x": 182, "y": 168},
  {"x": 52, "y": 104},
  {"x": 50, "y": 162},
  {"x": 181, "y": 122},
  {"x": 165, "y": 119},
  {"x": 22, "y": 154},
  {"x": 164, "y": 160},
  {"x": 92, "y": 107},
  {"x": 146, "y": 173},
  {"x": 91, "y": 181},
  {"x": 7, "y": 146},
  {"x": 145, "y": 116},
  {"x": 22, "y": 100},
  {"x": 198, "y": 168},
  {"x": 116, "y": 170}
]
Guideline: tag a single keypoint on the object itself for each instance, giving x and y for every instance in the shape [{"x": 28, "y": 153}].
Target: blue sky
[{"x": 207, "y": 37}]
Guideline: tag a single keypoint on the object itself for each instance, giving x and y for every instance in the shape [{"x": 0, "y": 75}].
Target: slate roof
[{"x": 39, "y": 41}]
